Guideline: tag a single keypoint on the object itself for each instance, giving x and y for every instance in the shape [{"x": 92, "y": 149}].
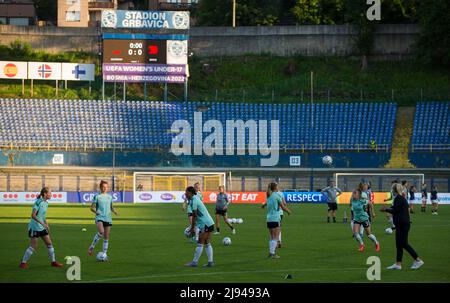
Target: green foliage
[
  {"x": 23, "y": 52},
  {"x": 248, "y": 12},
  {"x": 215, "y": 12},
  {"x": 307, "y": 12},
  {"x": 433, "y": 44}
]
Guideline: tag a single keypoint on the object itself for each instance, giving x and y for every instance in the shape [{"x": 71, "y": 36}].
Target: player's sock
[
  {"x": 97, "y": 237},
  {"x": 27, "y": 254},
  {"x": 358, "y": 238},
  {"x": 218, "y": 229},
  {"x": 334, "y": 219},
  {"x": 373, "y": 238},
  {"x": 328, "y": 219},
  {"x": 391, "y": 221},
  {"x": 198, "y": 253},
  {"x": 197, "y": 232},
  {"x": 272, "y": 246},
  {"x": 51, "y": 253},
  {"x": 105, "y": 245},
  {"x": 209, "y": 252}
]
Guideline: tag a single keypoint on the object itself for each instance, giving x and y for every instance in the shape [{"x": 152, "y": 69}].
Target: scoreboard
[{"x": 135, "y": 51}]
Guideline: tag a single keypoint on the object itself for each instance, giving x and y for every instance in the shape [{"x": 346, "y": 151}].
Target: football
[
  {"x": 226, "y": 241},
  {"x": 389, "y": 230},
  {"x": 239, "y": 221},
  {"x": 102, "y": 257},
  {"x": 187, "y": 231},
  {"x": 327, "y": 160}
]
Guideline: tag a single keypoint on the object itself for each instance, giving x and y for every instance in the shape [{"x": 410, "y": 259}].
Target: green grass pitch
[{"x": 147, "y": 245}]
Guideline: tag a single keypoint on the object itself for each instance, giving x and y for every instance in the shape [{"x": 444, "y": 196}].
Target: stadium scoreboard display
[{"x": 135, "y": 51}]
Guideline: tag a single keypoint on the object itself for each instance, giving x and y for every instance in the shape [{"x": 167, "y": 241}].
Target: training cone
[{"x": 288, "y": 277}]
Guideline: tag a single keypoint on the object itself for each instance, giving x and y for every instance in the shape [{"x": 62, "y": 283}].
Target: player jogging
[
  {"x": 352, "y": 222},
  {"x": 102, "y": 207},
  {"x": 222, "y": 209},
  {"x": 273, "y": 218},
  {"x": 434, "y": 200},
  {"x": 424, "y": 197},
  {"x": 278, "y": 192},
  {"x": 361, "y": 218},
  {"x": 332, "y": 193},
  {"x": 39, "y": 228},
  {"x": 201, "y": 219}
]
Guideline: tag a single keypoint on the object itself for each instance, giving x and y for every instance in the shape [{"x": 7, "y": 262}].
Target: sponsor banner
[
  {"x": 77, "y": 72},
  {"x": 145, "y": 78},
  {"x": 444, "y": 198},
  {"x": 236, "y": 197},
  {"x": 87, "y": 196},
  {"x": 30, "y": 197},
  {"x": 13, "y": 70},
  {"x": 159, "y": 197},
  {"x": 143, "y": 69},
  {"x": 379, "y": 197},
  {"x": 44, "y": 70},
  {"x": 304, "y": 197},
  {"x": 145, "y": 19}
]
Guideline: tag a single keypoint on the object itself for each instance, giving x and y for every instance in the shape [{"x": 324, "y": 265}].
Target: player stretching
[
  {"x": 424, "y": 198},
  {"x": 201, "y": 219},
  {"x": 102, "y": 207},
  {"x": 221, "y": 210},
  {"x": 39, "y": 228},
  {"x": 332, "y": 194},
  {"x": 434, "y": 200},
  {"x": 361, "y": 218},
  {"x": 274, "y": 204}
]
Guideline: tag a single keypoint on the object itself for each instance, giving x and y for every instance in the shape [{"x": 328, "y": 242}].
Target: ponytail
[
  {"x": 44, "y": 190},
  {"x": 271, "y": 188}
]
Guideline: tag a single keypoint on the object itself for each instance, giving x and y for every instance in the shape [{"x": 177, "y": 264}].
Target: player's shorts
[
  {"x": 105, "y": 224},
  {"x": 332, "y": 206},
  {"x": 271, "y": 225},
  {"x": 424, "y": 200},
  {"x": 365, "y": 224},
  {"x": 221, "y": 212},
  {"x": 37, "y": 234},
  {"x": 435, "y": 201},
  {"x": 189, "y": 215},
  {"x": 207, "y": 229}
]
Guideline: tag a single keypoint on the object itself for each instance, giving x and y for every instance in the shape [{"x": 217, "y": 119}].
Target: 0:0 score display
[{"x": 134, "y": 51}]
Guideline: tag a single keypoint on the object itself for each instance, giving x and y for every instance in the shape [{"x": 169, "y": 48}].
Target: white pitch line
[{"x": 221, "y": 273}]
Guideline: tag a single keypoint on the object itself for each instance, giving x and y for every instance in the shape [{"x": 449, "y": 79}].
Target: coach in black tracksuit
[{"x": 400, "y": 213}]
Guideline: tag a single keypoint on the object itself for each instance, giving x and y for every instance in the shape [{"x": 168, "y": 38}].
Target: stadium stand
[
  {"x": 431, "y": 126},
  {"x": 140, "y": 125},
  {"x": 430, "y": 143}
]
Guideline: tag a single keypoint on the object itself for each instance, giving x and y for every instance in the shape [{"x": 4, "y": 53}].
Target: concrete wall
[{"x": 311, "y": 40}]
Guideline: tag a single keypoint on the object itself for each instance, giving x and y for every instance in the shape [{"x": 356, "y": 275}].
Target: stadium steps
[{"x": 402, "y": 136}]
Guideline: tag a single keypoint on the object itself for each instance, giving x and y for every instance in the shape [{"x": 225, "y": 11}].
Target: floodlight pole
[{"x": 234, "y": 13}]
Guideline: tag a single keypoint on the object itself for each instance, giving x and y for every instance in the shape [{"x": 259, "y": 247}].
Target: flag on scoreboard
[
  {"x": 78, "y": 72},
  {"x": 44, "y": 70},
  {"x": 13, "y": 70}
]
